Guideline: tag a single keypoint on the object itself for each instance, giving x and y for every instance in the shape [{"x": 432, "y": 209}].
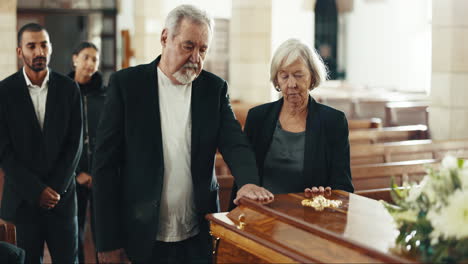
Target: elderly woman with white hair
[{"x": 300, "y": 145}]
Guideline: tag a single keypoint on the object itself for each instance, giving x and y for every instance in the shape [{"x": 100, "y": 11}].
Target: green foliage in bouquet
[{"x": 432, "y": 216}]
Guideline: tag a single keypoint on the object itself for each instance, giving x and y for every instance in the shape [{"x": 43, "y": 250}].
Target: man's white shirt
[
  {"x": 178, "y": 215},
  {"x": 38, "y": 96}
]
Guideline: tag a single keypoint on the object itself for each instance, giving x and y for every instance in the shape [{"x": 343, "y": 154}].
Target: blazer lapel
[
  {"x": 312, "y": 143},
  {"x": 268, "y": 129},
  {"x": 197, "y": 117},
  {"x": 51, "y": 105},
  {"x": 24, "y": 100},
  {"x": 270, "y": 124},
  {"x": 151, "y": 82}
]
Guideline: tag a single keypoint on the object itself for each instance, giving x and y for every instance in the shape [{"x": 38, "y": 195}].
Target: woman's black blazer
[{"x": 326, "y": 156}]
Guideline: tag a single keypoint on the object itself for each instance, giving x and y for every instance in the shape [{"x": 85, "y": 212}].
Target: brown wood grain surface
[
  {"x": 387, "y": 134},
  {"x": 7, "y": 232},
  {"x": 285, "y": 231},
  {"x": 406, "y": 150}
]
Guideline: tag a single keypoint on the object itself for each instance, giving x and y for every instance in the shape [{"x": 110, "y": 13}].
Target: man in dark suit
[
  {"x": 40, "y": 146},
  {"x": 156, "y": 142}
]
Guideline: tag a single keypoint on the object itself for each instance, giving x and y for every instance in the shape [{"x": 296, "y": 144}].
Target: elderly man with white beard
[{"x": 159, "y": 131}]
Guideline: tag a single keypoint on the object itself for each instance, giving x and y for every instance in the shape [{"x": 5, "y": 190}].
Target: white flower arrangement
[
  {"x": 451, "y": 221},
  {"x": 432, "y": 216}
]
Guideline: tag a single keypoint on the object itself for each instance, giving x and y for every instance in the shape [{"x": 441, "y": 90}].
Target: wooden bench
[
  {"x": 241, "y": 110},
  {"x": 364, "y": 123},
  {"x": 406, "y": 113},
  {"x": 346, "y": 105},
  {"x": 407, "y": 150},
  {"x": 379, "y": 194},
  {"x": 387, "y": 134},
  {"x": 374, "y": 176},
  {"x": 7, "y": 232},
  {"x": 368, "y": 108},
  {"x": 225, "y": 188},
  {"x": 365, "y": 177}
]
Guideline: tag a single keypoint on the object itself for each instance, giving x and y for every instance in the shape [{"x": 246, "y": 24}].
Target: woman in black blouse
[
  {"x": 85, "y": 63},
  {"x": 300, "y": 145}
]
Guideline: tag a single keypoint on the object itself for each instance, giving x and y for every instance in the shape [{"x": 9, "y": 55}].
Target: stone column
[
  {"x": 257, "y": 28},
  {"x": 250, "y": 50},
  {"x": 149, "y": 22},
  {"x": 448, "y": 112},
  {"x": 8, "y": 35}
]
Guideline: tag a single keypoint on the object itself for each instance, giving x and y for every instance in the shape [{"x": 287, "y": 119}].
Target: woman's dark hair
[{"x": 84, "y": 45}]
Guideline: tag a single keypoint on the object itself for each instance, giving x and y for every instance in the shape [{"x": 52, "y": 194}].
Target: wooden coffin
[{"x": 359, "y": 231}]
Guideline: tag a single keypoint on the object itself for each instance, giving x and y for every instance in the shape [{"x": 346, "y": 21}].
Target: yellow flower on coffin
[
  {"x": 451, "y": 221},
  {"x": 320, "y": 202}
]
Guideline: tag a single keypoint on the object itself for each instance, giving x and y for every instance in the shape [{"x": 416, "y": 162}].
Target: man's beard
[
  {"x": 189, "y": 75},
  {"x": 35, "y": 64}
]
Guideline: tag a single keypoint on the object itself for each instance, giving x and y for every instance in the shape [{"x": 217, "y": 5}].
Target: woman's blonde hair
[{"x": 293, "y": 49}]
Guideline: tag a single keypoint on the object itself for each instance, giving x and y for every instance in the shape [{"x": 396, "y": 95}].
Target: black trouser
[
  {"x": 196, "y": 249},
  {"x": 34, "y": 226},
  {"x": 83, "y": 195}
]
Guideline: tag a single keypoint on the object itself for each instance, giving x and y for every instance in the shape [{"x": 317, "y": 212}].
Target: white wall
[
  {"x": 389, "y": 44},
  {"x": 145, "y": 21},
  {"x": 8, "y": 36},
  {"x": 291, "y": 19},
  {"x": 125, "y": 21},
  {"x": 217, "y": 8},
  {"x": 125, "y": 17},
  {"x": 448, "y": 110}
]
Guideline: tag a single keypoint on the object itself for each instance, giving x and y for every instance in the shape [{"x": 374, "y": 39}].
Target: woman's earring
[{"x": 278, "y": 88}]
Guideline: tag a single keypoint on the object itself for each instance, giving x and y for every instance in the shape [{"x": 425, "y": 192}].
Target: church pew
[
  {"x": 379, "y": 194},
  {"x": 370, "y": 107},
  {"x": 225, "y": 188},
  {"x": 374, "y": 176},
  {"x": 241, "y": 110},
  {"x": 221, "y": 167},
  {"x": 407, "y": 150},
  {"x": 394, "y": 155},
  {"x": 364, "y": 123},
  {"x": 387, "y": 134},
  {"x": 365, "y": 177},
  {"x": 406, "y": 113},
  {"x": 225, "y": 180},
  {"x": 7, "y": 232}
]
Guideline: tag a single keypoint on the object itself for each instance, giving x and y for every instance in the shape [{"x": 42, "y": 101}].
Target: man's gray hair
[
  {"x": 190, "y": 12},
  {"x": 289, "y": 52}
]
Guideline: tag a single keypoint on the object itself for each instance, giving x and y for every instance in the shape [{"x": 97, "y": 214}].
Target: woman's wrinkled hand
[{"x": 309, "y": 192}]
